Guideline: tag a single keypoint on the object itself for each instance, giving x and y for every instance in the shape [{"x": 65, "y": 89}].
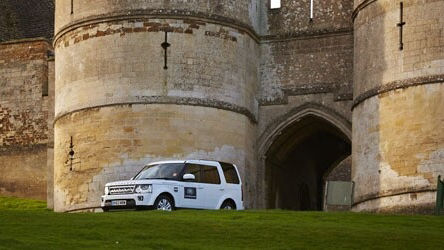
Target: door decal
[{"x": 190, "y": 193}]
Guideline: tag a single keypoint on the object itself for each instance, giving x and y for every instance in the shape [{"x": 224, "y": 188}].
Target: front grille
[{"x": 121, "y": 189}]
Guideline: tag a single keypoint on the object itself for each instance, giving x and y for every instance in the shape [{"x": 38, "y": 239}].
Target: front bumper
[{"x": 133, "y": 201}]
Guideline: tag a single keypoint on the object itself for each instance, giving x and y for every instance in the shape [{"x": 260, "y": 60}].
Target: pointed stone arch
[{"x": 297, "y": 150}]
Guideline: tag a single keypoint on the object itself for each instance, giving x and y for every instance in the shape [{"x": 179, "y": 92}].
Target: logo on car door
[{"x": 190, "y": 193}]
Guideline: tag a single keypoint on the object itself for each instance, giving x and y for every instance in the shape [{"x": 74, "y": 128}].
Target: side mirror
[
  {"x": 189, "y": 177},
  {"x": 132, "y": 178}
]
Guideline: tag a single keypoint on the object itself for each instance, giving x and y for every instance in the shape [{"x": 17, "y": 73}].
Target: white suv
[{"x": 178, "y": 184}]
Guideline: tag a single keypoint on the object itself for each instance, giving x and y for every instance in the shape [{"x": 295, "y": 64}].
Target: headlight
[
  {"x": 106, "y": 190},
  {"x": 145, "y": 188}
]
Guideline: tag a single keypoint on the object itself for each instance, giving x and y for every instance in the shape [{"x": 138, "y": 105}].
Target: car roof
[
  {"x": 189, "y": 160},
  {"x": 165, "y": 162}
]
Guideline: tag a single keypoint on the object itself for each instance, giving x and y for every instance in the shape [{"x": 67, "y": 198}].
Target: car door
[
  {"x": 211, "y": 184},
  {"x": 192, "y": 190}
]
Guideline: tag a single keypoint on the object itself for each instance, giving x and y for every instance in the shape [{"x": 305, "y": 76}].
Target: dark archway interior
[{"x": 299, "y": 160}]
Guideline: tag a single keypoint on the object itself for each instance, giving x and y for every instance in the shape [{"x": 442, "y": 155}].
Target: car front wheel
[{"x": 164, "y": 203}]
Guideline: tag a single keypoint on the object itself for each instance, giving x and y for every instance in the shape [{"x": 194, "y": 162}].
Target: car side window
[
  {"x": 193, "y": 169},
  {"x": 210, "y": 175},
  {"x": 230, "y": 173}
]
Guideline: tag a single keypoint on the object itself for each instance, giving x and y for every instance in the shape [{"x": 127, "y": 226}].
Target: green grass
[{"x": 27, "y": 224}]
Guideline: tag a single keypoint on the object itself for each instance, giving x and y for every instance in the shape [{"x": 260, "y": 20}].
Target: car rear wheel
[
  {"x": 164, "y": 203},
  {"x": 228, "y": 205}
]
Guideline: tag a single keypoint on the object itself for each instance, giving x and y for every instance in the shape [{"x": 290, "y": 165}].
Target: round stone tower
[
  {"x": 124, "y": 100},
  {"x": 398, "y": 113}
]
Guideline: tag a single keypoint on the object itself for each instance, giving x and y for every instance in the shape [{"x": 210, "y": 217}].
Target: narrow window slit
[
  {"x": 401, "y": 25},
  {"x": 45, "y": 88}
]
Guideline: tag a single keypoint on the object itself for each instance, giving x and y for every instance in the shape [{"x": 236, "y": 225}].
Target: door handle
[
  {"x": 199, "y": 187},
  {"x": 221, "y": 189}
]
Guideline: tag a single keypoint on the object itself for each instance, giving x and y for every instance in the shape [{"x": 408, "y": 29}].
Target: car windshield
[{"x": 168, "y": 171}]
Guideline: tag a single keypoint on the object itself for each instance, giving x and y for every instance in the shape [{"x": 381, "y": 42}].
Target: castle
[{"x": 294, "y": 94}]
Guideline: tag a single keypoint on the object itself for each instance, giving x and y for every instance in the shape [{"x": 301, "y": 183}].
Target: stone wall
[
  {"x": 198, "y": 73},
  {"x": 115, "y": 142},
  {"x": 341, "y": 172},
  {"x": 50, "y": 147},
  {"x": 306, "y": 66},
  {"x": 122, "y": 109},
  {"x": 307, "y": 60},
  {"x": 293, "y": 18},
  {"x": 8, "y": 22},
  {"x": 23, "y": 118},
  {"x": 26, "y": 19},
  {"x": 398, "y": 148}
]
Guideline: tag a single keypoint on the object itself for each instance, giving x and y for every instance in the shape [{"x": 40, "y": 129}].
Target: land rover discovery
[{"x": 168, "y": 185}]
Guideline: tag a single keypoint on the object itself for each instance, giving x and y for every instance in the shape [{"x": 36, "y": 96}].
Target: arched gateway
[{"x": 301, "y": 153}]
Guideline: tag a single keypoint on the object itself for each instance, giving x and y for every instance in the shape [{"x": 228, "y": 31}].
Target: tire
[
  {"x": 228, "y": 205},
  {"x": 105, "y": 209},
  {"x": 164, "y": 203}
]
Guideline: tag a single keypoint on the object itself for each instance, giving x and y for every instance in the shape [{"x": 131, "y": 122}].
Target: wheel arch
[
  {"x": 166, "y": 193},
  {"x": 224, "y": 199}
]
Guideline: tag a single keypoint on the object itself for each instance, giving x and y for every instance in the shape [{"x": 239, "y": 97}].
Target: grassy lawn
[{"x": 26, "y": 224}]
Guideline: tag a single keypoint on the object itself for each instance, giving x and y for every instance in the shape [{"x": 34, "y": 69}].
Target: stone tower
[
  {"x": 398, "y": 111},
  {"x": 117, "y": 107}
]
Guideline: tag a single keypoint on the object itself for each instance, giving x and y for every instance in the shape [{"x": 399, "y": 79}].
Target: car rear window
[{"x": 230, "y": 173}]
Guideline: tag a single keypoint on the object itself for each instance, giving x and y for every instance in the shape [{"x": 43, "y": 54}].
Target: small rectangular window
[
  {"x": 275, "y": 4},
  {"x": 230, "y": 173}
]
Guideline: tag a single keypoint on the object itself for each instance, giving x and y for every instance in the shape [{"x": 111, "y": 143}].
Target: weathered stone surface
[
  {"x": 23, "y": 118},
  {"x": 26, "y": 19},
  {"x": 113, "y": 143},
  {"x": 293, "y": 18},
  {"x": 398, "y": 116},
  {"x": 243, "y": 11}
]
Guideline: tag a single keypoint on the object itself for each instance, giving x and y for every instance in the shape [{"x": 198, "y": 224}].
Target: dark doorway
[{"x": 299, "y": 159}]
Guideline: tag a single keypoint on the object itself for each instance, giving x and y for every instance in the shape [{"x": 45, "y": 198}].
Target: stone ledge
[
  {"x": 26, "y": 40},
  {"x": 305, "y": 35},
  {"x": 158, "y": 14},
  {"x": 391, "y": 193},
  {"x": 168, "y": 100},
  {"x": 401, "y": 84},
  {"x": 196, "y": 17},
  {"x": 309, "y": 89},
  {"x": 19, "y": 149}
]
